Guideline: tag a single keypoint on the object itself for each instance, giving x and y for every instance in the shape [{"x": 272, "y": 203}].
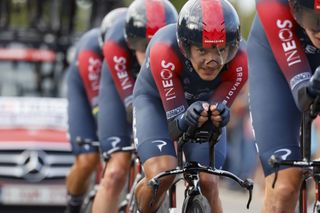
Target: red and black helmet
[
  {"x": 145, "y": 18},
  {"x": 209, "y": 23},
  {"x": 306, "y": 13}
]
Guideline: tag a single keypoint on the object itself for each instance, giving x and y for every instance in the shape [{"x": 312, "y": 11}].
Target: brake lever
[
  {"x": 275, "y": 177},
  {"x": 274, "y": 162},
  {"x": 248, "y": 184},
  {"x": 250, "y": 198},
  {"x": 154, "y": 185}
]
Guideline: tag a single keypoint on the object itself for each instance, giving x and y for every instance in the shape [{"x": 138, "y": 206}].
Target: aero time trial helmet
[
  {"x": 209, "y": 23},
  {"x": 109, "y": 19},
  {"x": 145, "y": 18},
  {"x": 306, "y": 13}
]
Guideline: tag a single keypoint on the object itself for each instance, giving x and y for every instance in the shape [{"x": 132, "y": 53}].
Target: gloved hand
[
  {"x": 191, "y": 116},
  {"x": 314, "y": 84},
  {"x": 220, "y": 115}
]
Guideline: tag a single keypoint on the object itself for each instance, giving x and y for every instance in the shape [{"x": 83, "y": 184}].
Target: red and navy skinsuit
[
  {"x": 281, "y": 60},
  {"x": 118, "y": 75},
  {"x": 83, "y": 80},
  {"x": 167, "y": 84}
]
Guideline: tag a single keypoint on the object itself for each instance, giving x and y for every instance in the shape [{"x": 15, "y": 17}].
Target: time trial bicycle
[
  {"x": 311, "y": 168},
  {"x": 193, "y": 200}
]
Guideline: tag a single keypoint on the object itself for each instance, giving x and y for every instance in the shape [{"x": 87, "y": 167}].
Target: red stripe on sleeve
[
  {"x": 89, "y": 64},
  {"x": 166, "y": 69},
  {"x": 280, "y": 29},
  {"x": 119, "y": 63}
]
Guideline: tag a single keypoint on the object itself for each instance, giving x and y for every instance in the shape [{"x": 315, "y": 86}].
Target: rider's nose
[
  {"x": 213, "y": 58},
  {"x": 212, "y": 63}
]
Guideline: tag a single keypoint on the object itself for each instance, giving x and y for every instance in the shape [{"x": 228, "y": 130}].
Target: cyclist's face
[
  {"x": 207, "y": 62},
  {"x": 141, "y": 55},
  {"x": 314, "y": 37}
]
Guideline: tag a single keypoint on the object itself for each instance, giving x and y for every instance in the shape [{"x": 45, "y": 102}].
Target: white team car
[{"x": 35, "y": 154}]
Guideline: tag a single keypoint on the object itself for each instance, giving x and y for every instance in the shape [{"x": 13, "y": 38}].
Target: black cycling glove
[
  {"x": 314, "y": 86},
  {"x": 190, "y": 117},
  {"x": 305, "y": 93},
  {"x": 224, "y": 113}
]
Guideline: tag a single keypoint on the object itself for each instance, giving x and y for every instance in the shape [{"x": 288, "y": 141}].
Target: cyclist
[
  {"x": 283, "y": 51},
  {"x": 83, "y": 77},
  {"x": 192, "y": 68},
  {"x": 124, "y": 51}
]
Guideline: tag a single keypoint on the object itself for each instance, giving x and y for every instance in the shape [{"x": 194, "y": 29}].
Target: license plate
[{"x": 33, "y": 195}]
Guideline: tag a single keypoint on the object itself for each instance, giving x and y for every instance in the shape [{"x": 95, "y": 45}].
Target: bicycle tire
[
  {"x": 196, "y": 204},
  {"x": 87, "y": 204},
  {"x": 133, "y": 208}
]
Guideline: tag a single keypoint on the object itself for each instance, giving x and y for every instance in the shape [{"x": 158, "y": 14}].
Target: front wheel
[{"x": 196, "y": 204}]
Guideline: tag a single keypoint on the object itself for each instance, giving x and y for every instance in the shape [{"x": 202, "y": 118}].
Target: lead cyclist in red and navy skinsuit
[
  {"x": 124, "y": 51},
  {"x": 191, "y": 68},
  {"x": 83, "y": 79},
  {"x": 283, "y": 52}
]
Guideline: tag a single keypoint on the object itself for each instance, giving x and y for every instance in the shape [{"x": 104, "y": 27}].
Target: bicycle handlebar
[
  {"x": 154, "y": 183},
  {"x": 276, "y": 161},
  {"x": 194, "y": 136},
  {"x": 201, "y": 136}
]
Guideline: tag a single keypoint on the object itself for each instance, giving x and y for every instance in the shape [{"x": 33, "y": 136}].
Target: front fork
[{"x": 193, "y": 183}]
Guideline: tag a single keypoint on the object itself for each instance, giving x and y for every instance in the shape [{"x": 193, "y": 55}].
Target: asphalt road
[{"x": 235, "y": 200}]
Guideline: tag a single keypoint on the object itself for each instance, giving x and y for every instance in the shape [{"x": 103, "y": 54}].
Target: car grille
[{"x": 35, "y": 165}]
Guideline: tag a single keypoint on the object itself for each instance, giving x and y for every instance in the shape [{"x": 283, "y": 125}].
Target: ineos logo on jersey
[
  {"x": 288, "y": 43},
  {"x": 167, "y": 82},
  {"x": 122, "y": 73},
  {"x": 94, "y": 69},
  {"x": 161, "y": 143}
]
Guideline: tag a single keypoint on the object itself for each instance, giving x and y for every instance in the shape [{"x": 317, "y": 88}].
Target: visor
[{"x": 226, "y": 52}]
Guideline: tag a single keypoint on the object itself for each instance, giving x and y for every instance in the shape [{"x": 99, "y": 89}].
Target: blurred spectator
[
  {"x": 100, "y": 8},
  {"x": 242, "y": 154},
  {"x": 315, "y": 136}
]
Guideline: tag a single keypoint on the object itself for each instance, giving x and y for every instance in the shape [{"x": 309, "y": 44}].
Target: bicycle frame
[
  {"x": 191, "y": 170},
  {"x": 311, "y": 169}
]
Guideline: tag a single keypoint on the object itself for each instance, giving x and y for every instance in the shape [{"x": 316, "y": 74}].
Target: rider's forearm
[
  {"x": 129, "y": 110},
  {"x": 302, "y": 97},
  {"x": 177, "y": 127}
]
